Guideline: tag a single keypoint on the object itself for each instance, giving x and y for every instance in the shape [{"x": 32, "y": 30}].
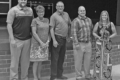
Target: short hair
[
  {"x": 40, "y": 8},
  {"x": 81, "y": 7},
  {"x": 59, "y": 2}
]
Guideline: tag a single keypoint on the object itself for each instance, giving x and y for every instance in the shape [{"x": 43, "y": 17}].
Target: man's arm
[
  {"x": 52, "y": 26},
  {"x": 10, "y": 31},
  {"x": 52, "y": 33},
  {"x": 91, "y": 27},
  {"x": 10, "y": 20},
  {"x": 69, "y": 26},
  {"x": 52, "y": 30},
  {"x": 74, "y": 31}
]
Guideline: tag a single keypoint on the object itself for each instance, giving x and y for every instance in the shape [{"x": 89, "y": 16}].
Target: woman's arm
[
  {"x": 36, "y": 36},
  {"x": 49, "y": 35},
  {"x": 114, "y": 33},
  {"x": 95, "y": 31}
]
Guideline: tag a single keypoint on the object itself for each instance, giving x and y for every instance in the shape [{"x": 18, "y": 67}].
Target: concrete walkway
[
  {"x": 115, "y": 73},
  {"x": 71, "y": 76}
]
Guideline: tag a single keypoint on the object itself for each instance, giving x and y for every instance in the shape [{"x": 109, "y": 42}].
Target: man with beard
[
  {"x": 18, "y": 24},
  {"x": 60, "y": 27}
]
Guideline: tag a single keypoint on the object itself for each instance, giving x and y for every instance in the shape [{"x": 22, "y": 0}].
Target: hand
[
  {"x": 55, "y": 43},
  {"x": 100, "y": 38},
  {"x": 13, "y": 42},
  {"x": 68, "y": 39},
  {"x": 101, "y": 32},
  {"x": 71, "y": 38},
  {"x": 77, "y": 46},
  {"x": 42, "y": 44}
]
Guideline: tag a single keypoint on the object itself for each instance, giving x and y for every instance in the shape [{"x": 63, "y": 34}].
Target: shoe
[
  {"x": 39, "y": 78},
  {"x": 62, "y": 77},
  {"x": 88, "y": 78},
  {"x": 14, "y": 79},
  {"x": 35, "y": 79},
  {"x": 52, "y": 78},
  {"x": 80, "y": 78},
  {"x": 77, "y": 79}
]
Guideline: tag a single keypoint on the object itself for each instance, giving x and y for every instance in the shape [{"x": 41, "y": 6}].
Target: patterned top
[{"x": 81, "y": 29}]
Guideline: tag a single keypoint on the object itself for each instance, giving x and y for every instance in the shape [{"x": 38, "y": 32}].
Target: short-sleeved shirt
[
  {"x": 21, "y": 19},
  {"x": 60, "y": 23},
  {"x": 42, "y": 28}
]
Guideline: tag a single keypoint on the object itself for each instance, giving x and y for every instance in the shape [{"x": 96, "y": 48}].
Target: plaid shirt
[{"x": 81, "y": 29}]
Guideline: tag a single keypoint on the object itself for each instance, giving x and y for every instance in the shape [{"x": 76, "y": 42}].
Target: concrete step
[{"x": 71, "y": 76}]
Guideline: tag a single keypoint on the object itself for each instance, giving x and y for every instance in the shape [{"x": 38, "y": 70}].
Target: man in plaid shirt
[{"x": 81, "y": 32}]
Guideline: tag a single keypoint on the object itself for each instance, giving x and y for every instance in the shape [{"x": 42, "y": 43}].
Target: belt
[
  {"x": 60, "y": 36},
  {"x": 83, "y": 41}
]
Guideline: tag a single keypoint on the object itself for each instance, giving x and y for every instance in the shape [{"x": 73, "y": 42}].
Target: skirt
[
  {"x": 37, "y": 53},
  {"x": 102, "y": 65}
]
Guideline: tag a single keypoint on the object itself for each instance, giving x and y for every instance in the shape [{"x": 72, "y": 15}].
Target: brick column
[
  {"x": 118, "y": 13},
  {"x": 4, "y": 61}
]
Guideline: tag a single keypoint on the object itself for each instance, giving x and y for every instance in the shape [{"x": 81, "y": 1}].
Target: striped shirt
[
  {"x": 21, "y": 19},
  {"x": 81, "y": 29}
]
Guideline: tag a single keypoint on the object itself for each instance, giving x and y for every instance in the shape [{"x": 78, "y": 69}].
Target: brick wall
[
  {"x": 68, "y": 64},
  {"x": 4, "y": 61}
]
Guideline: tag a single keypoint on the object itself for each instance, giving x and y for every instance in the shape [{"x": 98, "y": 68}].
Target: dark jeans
[{"x": 57, "y": 57}]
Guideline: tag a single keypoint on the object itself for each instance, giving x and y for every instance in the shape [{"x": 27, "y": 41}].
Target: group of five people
[{"x": 29, "y": 39}]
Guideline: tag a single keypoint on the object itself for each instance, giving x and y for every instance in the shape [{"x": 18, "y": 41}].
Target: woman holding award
[{"x": 103, "y": 31}]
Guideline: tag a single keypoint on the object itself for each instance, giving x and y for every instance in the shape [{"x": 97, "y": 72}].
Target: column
[{"x": 118, "y": 13}]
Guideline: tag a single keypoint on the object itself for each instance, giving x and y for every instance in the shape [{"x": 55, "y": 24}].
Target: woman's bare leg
[
  {"x": 35, "y": 66},
  {"x": 39, "y": 70}
]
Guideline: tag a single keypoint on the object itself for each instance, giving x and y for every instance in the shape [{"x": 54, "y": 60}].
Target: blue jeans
[{"x": 57, "y": 57}]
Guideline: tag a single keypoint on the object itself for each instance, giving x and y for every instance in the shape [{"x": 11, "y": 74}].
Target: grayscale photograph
[{"x": 59, "y": 40}]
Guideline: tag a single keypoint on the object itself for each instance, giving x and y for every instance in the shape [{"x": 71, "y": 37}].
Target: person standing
[
  {"x": 82, "y": 34},
  {"x": 103, "y": 31},
  {"x": 19, "y": 20},
  {"x": 40, "y": 41},
  {"x": 60, "y": 28}
]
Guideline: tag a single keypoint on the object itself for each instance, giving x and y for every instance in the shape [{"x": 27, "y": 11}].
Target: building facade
[{"x": 93, "y": 7}]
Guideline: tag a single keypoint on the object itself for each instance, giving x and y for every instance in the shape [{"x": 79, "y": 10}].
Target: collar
[
  {"x": 82, "y": 18},
  {"x": 20, "y": 8},
  {"x": 60, "y": 13},
  {"x": 40, "y": 20}
]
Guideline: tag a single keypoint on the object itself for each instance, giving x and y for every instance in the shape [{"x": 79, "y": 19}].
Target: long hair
[{"x": 108, "y": 18}]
